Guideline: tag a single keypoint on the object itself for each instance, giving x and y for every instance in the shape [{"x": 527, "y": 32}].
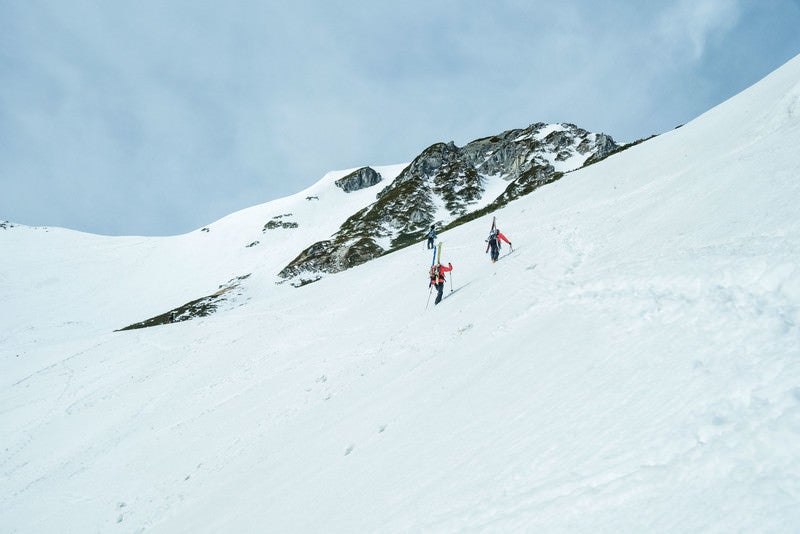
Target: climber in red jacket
[{"x": 437, "y": 279}]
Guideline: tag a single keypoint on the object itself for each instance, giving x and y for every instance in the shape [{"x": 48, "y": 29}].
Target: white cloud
[{"x": 686, "y": 27}]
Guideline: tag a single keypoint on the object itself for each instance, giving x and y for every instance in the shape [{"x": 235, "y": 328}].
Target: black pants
[
  {"x": 430, "y": 242},
  {"x": 494, "y": 252},
  {"x": 439, "y": 290}
]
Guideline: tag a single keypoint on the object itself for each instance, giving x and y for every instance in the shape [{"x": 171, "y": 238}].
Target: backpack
[{"x": 434, "y": 273}]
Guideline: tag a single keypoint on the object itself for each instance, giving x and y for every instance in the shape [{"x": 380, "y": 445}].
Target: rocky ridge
[{"x": 445, "y": 186}]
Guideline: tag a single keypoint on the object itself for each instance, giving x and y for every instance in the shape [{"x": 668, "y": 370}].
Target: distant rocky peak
[{"x": 444, "y": 186}]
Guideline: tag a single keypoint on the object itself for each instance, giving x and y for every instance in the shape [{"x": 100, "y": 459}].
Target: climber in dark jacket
[
  {"x": 493, "y": 244},
  {"x": 431, "y": 236}
]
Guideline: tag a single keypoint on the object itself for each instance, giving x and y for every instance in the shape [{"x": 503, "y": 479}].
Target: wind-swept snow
[{"x": 632, "y": 366}]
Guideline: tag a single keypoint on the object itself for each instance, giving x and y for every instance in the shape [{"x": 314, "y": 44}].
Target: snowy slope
[
  {"x": 633, "y": 365},
  {"x": 120, "y": 280}
]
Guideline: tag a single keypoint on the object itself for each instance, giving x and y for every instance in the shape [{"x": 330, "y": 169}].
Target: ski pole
[{"x": 429, "y": 297}]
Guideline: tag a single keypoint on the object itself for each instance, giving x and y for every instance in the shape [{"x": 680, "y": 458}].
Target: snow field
[{"x": 631, "y": 367}]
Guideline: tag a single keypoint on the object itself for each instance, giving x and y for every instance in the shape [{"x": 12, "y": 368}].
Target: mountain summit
[{"x": 445, "y": 186}]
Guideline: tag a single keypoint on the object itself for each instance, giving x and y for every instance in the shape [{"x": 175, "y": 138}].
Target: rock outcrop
[
  {"x": 360, "y": 179},
  {"x": 444, "y": 186}
]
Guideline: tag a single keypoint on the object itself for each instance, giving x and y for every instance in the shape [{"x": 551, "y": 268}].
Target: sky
[{"x": 158, "y": 118}]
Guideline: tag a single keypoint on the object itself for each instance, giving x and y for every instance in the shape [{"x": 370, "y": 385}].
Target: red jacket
[
  {"x": 497, "y": 236},
  {"x": 437, "y": 275}
]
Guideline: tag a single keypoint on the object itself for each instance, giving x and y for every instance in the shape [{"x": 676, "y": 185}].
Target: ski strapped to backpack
[
  {"x": 434, "y": 271},
  {"x": 437, "y": 260}
]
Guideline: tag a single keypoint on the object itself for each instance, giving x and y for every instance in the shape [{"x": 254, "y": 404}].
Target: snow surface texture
[{"x": 633, "y": 365}]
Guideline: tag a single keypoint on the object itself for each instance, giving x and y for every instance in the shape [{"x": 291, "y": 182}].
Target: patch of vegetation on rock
[
  {"x": 305, "y": 281},
  {"x": 276, "y": 222},
  {"x": 595, "y": 158},
  {"x": 202, "y": 307},
  {"x": 529, "y": 181},
  {"x": 330, "y": 257}
]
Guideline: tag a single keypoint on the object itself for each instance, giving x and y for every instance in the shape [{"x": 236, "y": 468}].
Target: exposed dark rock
[
  {"x": 360, "y": 179},
  {"x": 201, "y": 307},
  {"x": 277, "y": 222}
]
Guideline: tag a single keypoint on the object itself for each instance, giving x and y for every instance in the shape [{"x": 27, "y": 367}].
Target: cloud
[{"x": 685, "y": 27}]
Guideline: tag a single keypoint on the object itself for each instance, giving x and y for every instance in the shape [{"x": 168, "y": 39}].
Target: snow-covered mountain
[
  {"x": 632, "y": 366},
  {"x": 446, "y": 186}
]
